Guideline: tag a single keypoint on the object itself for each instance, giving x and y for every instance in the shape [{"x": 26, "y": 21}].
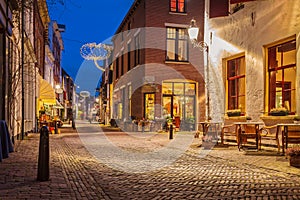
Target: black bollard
[
  {"x": 171, "y": 132},
  {"x": 73, "y": 124},
  {"x": 55, "y": 127},
  {"x": 43, "y": 162}
]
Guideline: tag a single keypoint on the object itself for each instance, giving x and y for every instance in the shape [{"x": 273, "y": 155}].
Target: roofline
[{"x": 129, "y": 13}]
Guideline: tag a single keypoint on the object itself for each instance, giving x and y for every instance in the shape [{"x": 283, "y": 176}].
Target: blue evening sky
[{"x": 86, "y": 21}]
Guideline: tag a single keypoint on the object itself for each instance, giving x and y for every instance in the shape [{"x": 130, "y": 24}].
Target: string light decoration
[{"x": 96, "y": 52}]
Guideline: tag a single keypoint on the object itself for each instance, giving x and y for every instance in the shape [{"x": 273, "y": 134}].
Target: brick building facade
[{"x": 156, "y": 71}]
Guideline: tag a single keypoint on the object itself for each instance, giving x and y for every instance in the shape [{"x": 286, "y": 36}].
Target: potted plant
[
  {"x": 248, "y": 118},
  {"x": 297, "y": 119},
  {"x": 279, "y": 111},
  {"x": 234, "y": 113},
  {"x": 294, "y": 155}
]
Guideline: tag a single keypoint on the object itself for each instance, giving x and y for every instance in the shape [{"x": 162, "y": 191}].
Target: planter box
[
  {"x": 278, "y": 113},
  {"x": 273, "y": 120},
  {"x": 233, "y": 114},
  {"x": 295, "y": 161}
]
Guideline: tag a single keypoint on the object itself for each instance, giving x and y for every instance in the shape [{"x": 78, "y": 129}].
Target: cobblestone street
[{"x": 75, "y": 173}]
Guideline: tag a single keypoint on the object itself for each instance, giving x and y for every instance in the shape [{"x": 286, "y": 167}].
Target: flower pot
[{"x": 295, "y": 161}]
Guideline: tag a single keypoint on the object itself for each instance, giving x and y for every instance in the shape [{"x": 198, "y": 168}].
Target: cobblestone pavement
[{"x": 75, "y": 173}]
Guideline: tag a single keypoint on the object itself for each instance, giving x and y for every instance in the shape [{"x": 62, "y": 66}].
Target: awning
[
  {"x": 58, "y": 105},
  {"x": 47, "y": 93}
]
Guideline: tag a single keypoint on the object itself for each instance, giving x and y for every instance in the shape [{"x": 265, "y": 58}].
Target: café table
[
  {"x": 285, "y": 135},
  {"x": 242, "y": 134},
  {"x": 6, "y": 145},
  {"x": 211, "y": 128}
]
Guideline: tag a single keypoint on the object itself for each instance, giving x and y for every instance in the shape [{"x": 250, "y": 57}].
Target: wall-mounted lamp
[{"x": 193, "y": 32}]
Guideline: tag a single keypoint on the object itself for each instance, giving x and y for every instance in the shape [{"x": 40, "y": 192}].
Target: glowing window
[
  {"x": 281, "y": 66},
  {"x": 236, "y": 83},
  {"x": 177, "y": 6}
]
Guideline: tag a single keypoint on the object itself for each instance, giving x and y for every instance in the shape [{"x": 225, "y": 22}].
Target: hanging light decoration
[{"x": 96, "y": 52}]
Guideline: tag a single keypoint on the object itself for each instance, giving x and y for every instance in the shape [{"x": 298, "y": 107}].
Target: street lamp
[{"x": 193, "y": 32}]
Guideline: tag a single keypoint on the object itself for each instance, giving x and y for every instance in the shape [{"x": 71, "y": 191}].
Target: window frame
[
  {"x": 237, "y": 77},
  {"x": 177, "y": 9},
  {"x": 177, "y": 40},
  {"x": 286, "y": 93}
]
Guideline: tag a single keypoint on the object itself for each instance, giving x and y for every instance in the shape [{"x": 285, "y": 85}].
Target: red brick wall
[{"x": 155, "y": 14}]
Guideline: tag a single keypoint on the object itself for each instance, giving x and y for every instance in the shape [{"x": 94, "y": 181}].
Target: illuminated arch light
[
  {"x": 84, "y": 94},
  {"x": 96, "y": 52}
]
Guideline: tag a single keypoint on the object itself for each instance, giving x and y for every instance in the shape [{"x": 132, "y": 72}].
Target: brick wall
[{"x": 156, "y": 17}]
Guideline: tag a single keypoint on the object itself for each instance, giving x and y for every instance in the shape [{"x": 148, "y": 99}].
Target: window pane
[
  {"x": 167, "y": 88},
  {"x": 171, "y": 33},
  {"x": 240, "y": 64},
  {"x": 286, "y": 53},
  {"x": 231, "y": 68},
  {"x": 149, "y": 106},
  {"x": 190, "y": 89},
  {"x": 181, "y": 7},
  {"x": 182, "y": 34},
  {"x": 189, "y": 109},
  {"x": 171, "y": 50},
  {"x": 241, "y": 86},
  {"x": 173, "y": 5},
  {"x": 178, "y": 88},
  {"x": 182, "y": 50}
]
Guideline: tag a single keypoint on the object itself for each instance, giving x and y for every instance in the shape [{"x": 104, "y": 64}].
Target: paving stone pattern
[{"x": 76, "y": 174}]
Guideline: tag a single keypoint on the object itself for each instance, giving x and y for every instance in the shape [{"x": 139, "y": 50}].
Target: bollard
[
  {"x": 73, "y": 124},
  {"x": 171, "y": 132},
  {"x": 43, "y": 162},
  {"x": 55, "y": 127}
]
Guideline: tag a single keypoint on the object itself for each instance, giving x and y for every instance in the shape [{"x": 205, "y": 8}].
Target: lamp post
[{"x": 193, "y": 32}]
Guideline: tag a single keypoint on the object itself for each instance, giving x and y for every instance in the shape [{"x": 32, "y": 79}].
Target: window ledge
[
  {"x": 236, "y": 117},
  {"x": 177, "y": 62},
  {"x": 178, "y": 13}
]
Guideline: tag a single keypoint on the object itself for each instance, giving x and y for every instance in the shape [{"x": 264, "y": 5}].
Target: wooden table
[
  {"x": 285, "y": 135},
  {"x": 211, "y": 128},
  {"x": 241, "y": 134}
]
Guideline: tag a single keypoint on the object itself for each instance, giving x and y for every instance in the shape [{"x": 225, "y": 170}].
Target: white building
[{"x": 254, "y": 59}]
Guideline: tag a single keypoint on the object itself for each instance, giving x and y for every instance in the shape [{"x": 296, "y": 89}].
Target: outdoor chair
[
  {"x": 293, "y": 136},
  {"x": 229, "y": 130},
  {"x": 270, "y": 133},
  {"x": 247, "y": 132}
]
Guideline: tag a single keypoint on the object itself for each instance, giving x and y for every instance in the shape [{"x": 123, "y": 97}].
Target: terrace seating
[
  {"x": 248, "y": 131},
  {"x": 270, "y": 133},
  {"x": 293, "y": 136},
  {"x": 229, "y": 130}
]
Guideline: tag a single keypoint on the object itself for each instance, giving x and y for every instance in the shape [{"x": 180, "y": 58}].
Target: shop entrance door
[{"x": 173, "y": 108}]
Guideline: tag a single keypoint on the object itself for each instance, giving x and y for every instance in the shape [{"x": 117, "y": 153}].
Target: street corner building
[{"x": 156, "y": 72}]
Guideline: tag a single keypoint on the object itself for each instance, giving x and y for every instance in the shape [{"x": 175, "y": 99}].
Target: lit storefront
[{"x": 179, "y": 103}]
